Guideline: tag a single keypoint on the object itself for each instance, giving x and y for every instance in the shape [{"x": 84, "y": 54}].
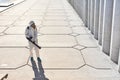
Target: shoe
[
  {"x": 38, "y": 59},
  {"x": 32, "y": 59}
]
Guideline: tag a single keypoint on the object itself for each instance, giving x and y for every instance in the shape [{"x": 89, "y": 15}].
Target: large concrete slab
[
  {"x": 70, "y": 13},
  {"x": 13, "y": 57},
  {"x": 54, "y": 23},
  {"x": 4, "y": 23},
  {"x": 73, "y": 17},
  {"x": 76, "y": 23},
  {"x": 56, "y": 13},
  {"x": 53, "y": 17},
  {"x": 25, "y": 73},
  {"x": 13, "y": 41},
  {"x": 15, "y": 30},
  {"x": 52, "y": 13},
  {"x": 57, "y": 41},
  {"x": 87, "y": 41},
  {"x": 8, "y": 18},
  {"x": 55, "y": 30},
  {"x": 79, "y": 30},
  {"x": 55, "y": 7},
  {"x": 15, "y": 12},
  {"x": 68, "y": 58},
  {"x": 56, "y": 10},
  {"x": 19, "y": 25},
  {"x": 37, "y": 10},
  {"x": 98, "y": 74},
  {"x": 26, "y": 22},
  {"x": 84, "y": 73},
  {"x": 37, "y": 7},
  {"x": 30, "y": 17},
  {"x": 96, "y": 58},
  {"x": 34, "y": 13}
]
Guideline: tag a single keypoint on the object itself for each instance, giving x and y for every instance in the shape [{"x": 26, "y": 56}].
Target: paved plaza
[{"x": 69, "y": 51}]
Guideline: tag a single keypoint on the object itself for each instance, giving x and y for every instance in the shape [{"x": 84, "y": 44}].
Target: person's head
[{"x": 32, "y": 24}]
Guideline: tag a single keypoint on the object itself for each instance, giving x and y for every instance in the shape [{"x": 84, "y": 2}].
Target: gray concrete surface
[
  {"x": 96, "y": 18},
  {"x": 114, "y": 50},
  {"x": 107, "y": 26},
  {"x": 100, "y": 32},
  {"x": 92, "y": 16},
  {"x": 69, "y": 51}
]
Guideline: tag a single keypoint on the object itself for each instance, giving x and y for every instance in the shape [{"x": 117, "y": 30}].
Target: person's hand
[
  {"x": 30, "y": 38},
  {"x": 27, "y": 37}
]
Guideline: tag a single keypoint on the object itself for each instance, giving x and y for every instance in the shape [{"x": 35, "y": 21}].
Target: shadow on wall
[{"x": 39, "y": 72}]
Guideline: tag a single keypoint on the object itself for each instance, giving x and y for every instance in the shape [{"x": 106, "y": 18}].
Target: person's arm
[{"x": 27, "y": 33}]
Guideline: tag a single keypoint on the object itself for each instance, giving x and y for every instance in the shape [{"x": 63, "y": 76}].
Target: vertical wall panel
[
  {"x": 86, "y": 13},
  {"x": 96, "y": 18},
  {"x": 101, "y": 22},
  {"x": 107, "y": 25},
  {"x": 89, "y": 2},
  {"x": 92, "y": 16},
  {"x": 115, "y": 35}
]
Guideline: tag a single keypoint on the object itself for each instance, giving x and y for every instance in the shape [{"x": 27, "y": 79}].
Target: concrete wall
[
  {"x": 96, "y": 18},
  {"x": 102, "y": 17},
  {"x": 101, "y": 22},
  {"x": 115, "y": 33},
  {"x": 81, "y": 8}
]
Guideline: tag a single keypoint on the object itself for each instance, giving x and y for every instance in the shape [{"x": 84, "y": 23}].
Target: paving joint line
[
  {"x": 55, "y": 34},
  {"x": 98, "y": 68},
  {"x": 20, "y": 66},
  {"x": 13, "y": 68},
  {"x": 41, "y": 46},
  {"x": 93, "y": 66},
  {"x": 13, "y": 46},
  {"x": 16, "y": 67},
  {"x": 83, "y": 57},
  {"x": 82, "y": 66},
  {"x": 93, "y": 47},
  {"x": 61, "y": 68},
  {"x": 79, "y": 49},
  {"x": 5, "y": 30},
  {"x": 7, "y": 68}
]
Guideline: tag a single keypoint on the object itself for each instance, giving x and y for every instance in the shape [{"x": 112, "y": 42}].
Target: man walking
[{"x": 31, "y": 35}]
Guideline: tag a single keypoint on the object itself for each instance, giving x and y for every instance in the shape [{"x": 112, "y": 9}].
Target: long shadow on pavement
[{"x": 39, "y": 72}]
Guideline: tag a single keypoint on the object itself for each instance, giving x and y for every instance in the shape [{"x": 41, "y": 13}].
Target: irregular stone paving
[{"x": 69, "y": 51}]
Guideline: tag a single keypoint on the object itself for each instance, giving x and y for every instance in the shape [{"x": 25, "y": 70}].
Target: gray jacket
[{"x": 31, "y": 32}]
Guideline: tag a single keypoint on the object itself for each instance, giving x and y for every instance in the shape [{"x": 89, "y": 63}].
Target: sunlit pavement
[{"x": 69, "y": 52}]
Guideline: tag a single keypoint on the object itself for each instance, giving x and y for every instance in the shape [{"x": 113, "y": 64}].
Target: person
[{"x": 31, "y": 33}]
